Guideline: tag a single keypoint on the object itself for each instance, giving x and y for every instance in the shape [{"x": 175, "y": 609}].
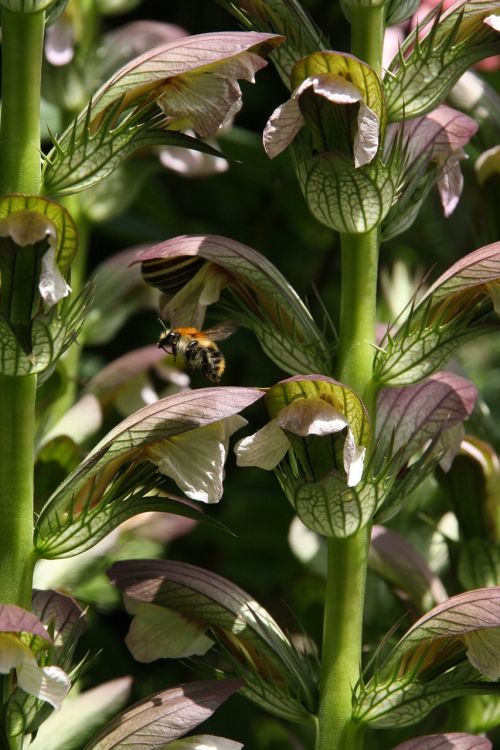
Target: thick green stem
[
  {"x": 20, "y": 162},
  {"x": 358, "y": 300},
  {"x": 367, "y": 34},
  {"x": 342, "y": 631},
  {"x": 17, "y": 417},
  {"x": 347, "y": 558},
  {"x": 20, "y": 155}
]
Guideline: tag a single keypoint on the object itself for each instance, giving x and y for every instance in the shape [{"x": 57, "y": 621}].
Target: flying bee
[{"x": 198, "y": 348}]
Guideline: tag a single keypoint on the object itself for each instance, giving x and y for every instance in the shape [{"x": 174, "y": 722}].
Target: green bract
[
  {"x": 429, "y": 63},
  {"x": 459, "y": 306}
]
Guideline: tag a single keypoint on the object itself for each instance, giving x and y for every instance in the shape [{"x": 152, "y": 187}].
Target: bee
[{"x": 198, "y": 348}]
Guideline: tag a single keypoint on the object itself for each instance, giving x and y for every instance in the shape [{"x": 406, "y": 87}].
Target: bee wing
[{"x": 220, "y": 332}]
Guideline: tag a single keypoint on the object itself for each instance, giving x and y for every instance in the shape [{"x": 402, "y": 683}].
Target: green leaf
[
  {"x": 458, "y": 307},
  {"x": 26, "y": 6},
  {"x": 400, "y": 703},
  {"x": 81, "y": 160},
  {"x": 426, "y": 67}
]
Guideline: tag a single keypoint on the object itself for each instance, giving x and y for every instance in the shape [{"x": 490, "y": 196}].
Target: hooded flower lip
[
  {"x": 195, "y": 459},
  {"x": 313, "y": 416},
  {"x": 287, "y": 120}
]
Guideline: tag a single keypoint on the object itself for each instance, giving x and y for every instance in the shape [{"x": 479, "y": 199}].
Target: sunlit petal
[
  {"x": 282, "y": 127},
  {"x": 49, "y": 684},
  {"x": 265, "y": 448},
  {"x": 52, "y": 285},
  {"x": 160, "y": 633},
  {"x": 312, "y": 416},
  {"x": 354, "y": 457},
  {"x": 13, "y": 653},
  {"x": 195, "y": 459},
  {"x": 483, "y": 651}
]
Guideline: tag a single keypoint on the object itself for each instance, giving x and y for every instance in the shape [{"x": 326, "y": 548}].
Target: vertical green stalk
[
  {"x": 20, "y": 161},
  {"x": 17, "y": 417},
  {"x": 347, "y": 558},
  {"x": 20, "y": 154}
]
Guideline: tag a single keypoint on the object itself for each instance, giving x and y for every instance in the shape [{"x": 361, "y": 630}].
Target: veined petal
[
  {"x": 13, "y": 653},
  {"x": 311, "y": 416},
  {"x": 483, "y": 651},
  {"x": 265, "y": 448},
  {"x": 160, "y": 633},
  {"x": 205, "y": 99},
  {"x": 52, "y": 285},
  {"x": 354, "y": 457},
  {"x": 450, "y": 184},
  {"x": 195, "y": 459},
  {"x": 367, "y": 137},
  {"x": 49, "y": 684},
  {"x": 282, "y": 127}
]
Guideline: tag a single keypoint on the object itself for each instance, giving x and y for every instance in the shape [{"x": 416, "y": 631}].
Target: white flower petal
[
  {"x": 195, "y": 459},
  {"x": 493, "y": 21},
  {"x": 483, "y": 651},
  {"x": 13, "y": 653},
  {"x": 204, "y": 742},
  {"x": 282, "y": 127},
  {"x": 160, "y": 633},
  {"x": 311, "y": 416},
  {"x": 265, "y": 448},
  {"x": 49, "y": 684},
  {"x": 60, "y": 42},
  {"x": 366, "y": 139},
  {"x": 354, "y": 457},
  {"x": 52, "y": 285},
  {"x": 450, "y": 184}
]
